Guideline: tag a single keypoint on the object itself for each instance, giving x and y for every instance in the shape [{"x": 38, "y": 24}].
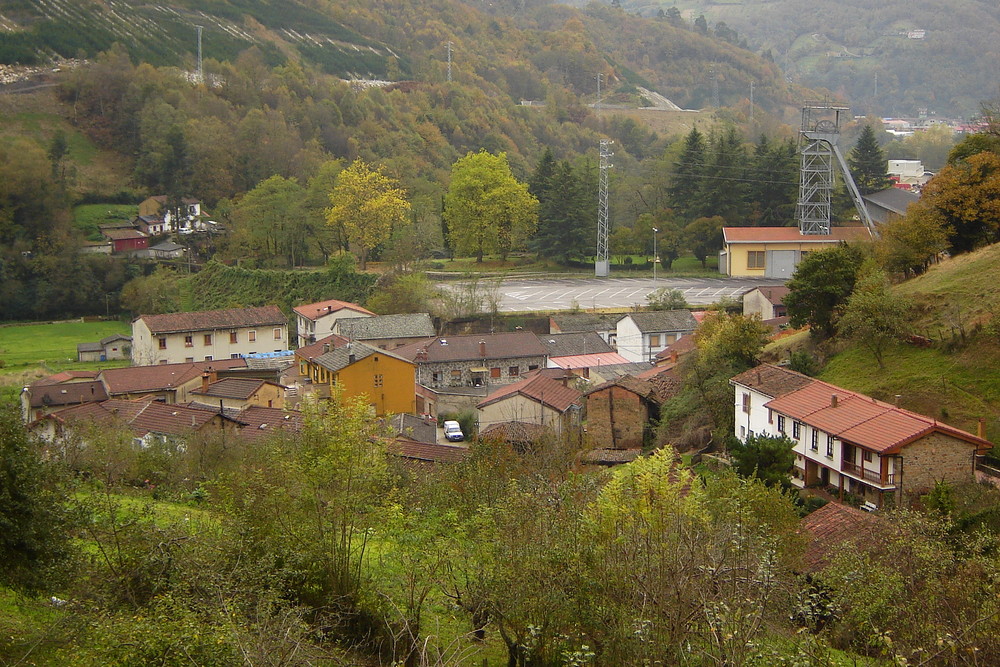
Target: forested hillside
[{"x": 869, "y": 51}]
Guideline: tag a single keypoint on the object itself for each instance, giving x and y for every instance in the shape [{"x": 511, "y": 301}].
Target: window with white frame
[
  {"x": 829, "y": 445},
  {"x": 814, "y": 443},
  {"x": 781, "y": 424}
]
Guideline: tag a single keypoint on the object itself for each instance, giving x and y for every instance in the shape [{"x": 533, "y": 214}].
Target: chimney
[
  {"x": 673, "y": 358},
  {"x": 833, "y": 400},
  {"x": 896, "y": 399},
  {"x": 482, "y": 349},
  {"x": 326, "y": 347},
  {"x": 351, "y": 358},
  {"x": 758, "y": 376},
  {"x": 981, "y": 428},
  {"x": 205, "y": 382}
]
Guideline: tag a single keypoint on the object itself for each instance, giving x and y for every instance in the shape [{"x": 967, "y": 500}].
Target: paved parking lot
[{"x": 591, "y": 293}]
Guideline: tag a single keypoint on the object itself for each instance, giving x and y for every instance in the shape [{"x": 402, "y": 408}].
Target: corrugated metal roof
[{"x": 589, "y": 360}]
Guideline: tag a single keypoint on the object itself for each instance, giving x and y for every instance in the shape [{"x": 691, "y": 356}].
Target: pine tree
[
  {"x": 773, "y": 183},
  {"x": 867, "y": 162},
  {"x": 723, "y": 190},
  {"x": 689, "y": 171}
]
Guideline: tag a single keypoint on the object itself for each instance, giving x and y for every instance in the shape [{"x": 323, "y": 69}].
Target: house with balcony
[{"x": 852, "y": 443}]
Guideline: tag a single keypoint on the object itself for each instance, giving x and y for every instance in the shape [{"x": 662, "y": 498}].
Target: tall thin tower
[
  {"x": 601, "y": 263},
  {"x": 450, "y": 44},
  {"x": 201, "y": 73}
]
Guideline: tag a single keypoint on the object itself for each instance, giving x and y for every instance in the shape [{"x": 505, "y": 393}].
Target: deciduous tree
[
  {"x": 874, "y": 316},
  {"x": 819, "y": 287},
  {"x": 368, "y": 204},
  {"x": 486, "y": 208}
]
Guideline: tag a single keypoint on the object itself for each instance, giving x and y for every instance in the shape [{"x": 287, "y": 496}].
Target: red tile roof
[
  {"x": 828, "y": 528},
  {"x": 318, "y": 348},
  {"x": 238, "y": 388},
  {"x": 861, "y": 420},
  {"x": 259, "y": 422},
  {"x": 514, "y": 432},
  {"x": 141, "y": 416},
  {"x": 538, "y": 387},
  {"x": 139, "y": 379},
  {"x": 427, "y": 451},
  {"x": 772, "y": 380},
  {"x": 507, "y": 345},
  {"x": 67, "y": 393},
  {"x": 314, "y": 311},
  {"x": 64, "y": 376},
  {"x": 208, "y": 320},
  {"x": 792, "y": 235}
]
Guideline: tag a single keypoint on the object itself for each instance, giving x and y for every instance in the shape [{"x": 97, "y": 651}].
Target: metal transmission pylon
[
  {"x": 819, "y": 137},
  {"x": 601, "y": 263}
]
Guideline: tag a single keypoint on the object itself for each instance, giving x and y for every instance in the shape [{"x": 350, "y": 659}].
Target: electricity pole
[{"x": 655, "y": 258}]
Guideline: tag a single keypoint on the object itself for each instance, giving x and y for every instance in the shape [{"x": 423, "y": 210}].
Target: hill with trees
[{"x": 888, "y": 58}]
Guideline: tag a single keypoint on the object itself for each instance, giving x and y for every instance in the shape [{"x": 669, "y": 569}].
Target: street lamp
[{"x": 655, "y": 231}]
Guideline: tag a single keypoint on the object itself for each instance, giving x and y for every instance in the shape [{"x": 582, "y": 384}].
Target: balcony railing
[{"x": 868, "y": 474}]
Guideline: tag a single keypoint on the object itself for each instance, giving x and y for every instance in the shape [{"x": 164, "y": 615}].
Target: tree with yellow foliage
[{"x": 368, "y": 204}]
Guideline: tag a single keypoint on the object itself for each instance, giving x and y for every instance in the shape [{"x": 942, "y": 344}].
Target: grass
[
  {"x": 87, "y": 217},
  {"x": 23, "y": 346}
]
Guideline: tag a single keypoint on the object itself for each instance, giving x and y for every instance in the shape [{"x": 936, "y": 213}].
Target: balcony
[{"x": 868, "y": 475}]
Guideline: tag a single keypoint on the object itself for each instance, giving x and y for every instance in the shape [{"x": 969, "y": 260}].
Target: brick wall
[
  {"x": 616, "y": 417},
  {"x": 936, "y": 457}
]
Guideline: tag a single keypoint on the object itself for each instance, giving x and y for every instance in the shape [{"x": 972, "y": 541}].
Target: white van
[{"x": 453, "y": 432}]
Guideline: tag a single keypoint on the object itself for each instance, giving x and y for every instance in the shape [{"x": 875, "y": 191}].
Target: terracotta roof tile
[
  {"x": 828, "y": 528},
  {"x": 427, "y": 451},
  {"x": 772, "y": 380},
  {"x": 314, "y": 311},
  {"x": 259, "y": 422},
  {"x": 589, "y": 360},
  {"x": 206, "y": 320},
  {"x": 792, "y": 235},
  {"x": 513, "y": 432},
  {"x": 137, "y": 379},
  {"x": 317, "y": 348},
  {"x": 67, "y": 393},
  {"x": 538, "y": 387},
  {"x": 238, "y": 388}
]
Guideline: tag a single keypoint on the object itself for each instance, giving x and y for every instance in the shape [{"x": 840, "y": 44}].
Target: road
[{"x": 520, "y": 295}]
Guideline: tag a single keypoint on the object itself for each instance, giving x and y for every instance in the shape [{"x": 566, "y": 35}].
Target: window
[
  {"x": 654, "y": 340},
  {"x": 435, "y": 377},
  {"x": 513, "y": 371},
  {"x": 814, "y": 443},
  {"x": 163, "y": 343},
  {"x": 797, "y": 430},
  {"x": 277, "y": 333},
  {"x": 378, "y": 379},
  {"x": 188, "y": 341},
  {"x": 252, "y": 336},
  {"x": 829, "y": 446},
  {"x": 532, "y": 367},
  {"x": 208, "y": 339},
  {"x": 495, "y": 372},
  {"x": 867, "y": 456},
  {"x": 755, "y": 259},
  {"x": 781, "y": 424},
  {"x": 234, "y": 355},
  {"x": 743, "y": 432},
  {"x": 189, "y": 360},
  {"x": 232, "y": 338},
  {"x": 208, "y": 358},
  {"x": 746, "y": 403},
  {"x": 456, "y": 373}
]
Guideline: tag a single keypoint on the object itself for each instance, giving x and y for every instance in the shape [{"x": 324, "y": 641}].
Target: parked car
[{"x": 453, "y": 432}]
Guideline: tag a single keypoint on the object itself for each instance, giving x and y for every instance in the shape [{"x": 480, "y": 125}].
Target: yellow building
[
  {"x": 774, "y": 252},
  {"x": 386, "y": 382}
]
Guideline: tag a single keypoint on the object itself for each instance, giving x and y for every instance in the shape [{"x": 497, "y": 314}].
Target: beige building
[
  {"x": 774, "y": 252},
  {"x": 315, "y": 321},
  {"x": 208, "y": 335},
  {"x": 540, "y": 399}
]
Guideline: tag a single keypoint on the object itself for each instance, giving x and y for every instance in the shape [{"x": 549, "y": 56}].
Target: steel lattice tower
[
  {"x": 818, "y": 140},
  {"x": 601, "y": 263}
]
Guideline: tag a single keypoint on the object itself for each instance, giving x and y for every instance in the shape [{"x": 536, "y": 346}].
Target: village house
[
  {"x": 207, "y": 335},
  {"x": 766, "y": 302},
  {"x": 382, "y": 379},
  {"x": 237, "y": 393},
  {"x": 642, "y": 335},
  {"x": 544, "y": 398},
  {"x": 314, "y": 321},
  {"x": 115, "y": 346},
  {"x": 600, "y": 323},
  {"x": 850, "y": 442},
  {"x": 774, "y": 252},
  {"x": 621, "y": 413},
  {"x": 183, "y": 219},
  {"x": 386, "y": 332},
  {"x": 474, "y": 360},
  {"x": 124, "y": 240}
]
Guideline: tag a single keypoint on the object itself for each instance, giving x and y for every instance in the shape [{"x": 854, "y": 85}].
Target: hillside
[
  {"x": 870, "y": 51},
  {"x": 955, "y": 379}
]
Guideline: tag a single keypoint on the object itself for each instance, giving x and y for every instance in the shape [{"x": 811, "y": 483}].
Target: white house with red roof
[
  {"x": 774, "y": 252},
  {"x": 314, "y": 321},
  {"x": 852, "y": 442}
]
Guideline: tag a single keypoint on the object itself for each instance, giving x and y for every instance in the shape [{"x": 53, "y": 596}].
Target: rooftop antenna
[
  {"x": 601, "y": 263},
  {"x": 201, "y": 74}
]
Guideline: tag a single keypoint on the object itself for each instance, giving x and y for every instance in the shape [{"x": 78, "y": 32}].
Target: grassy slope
[{"x": 956, "y": 383}]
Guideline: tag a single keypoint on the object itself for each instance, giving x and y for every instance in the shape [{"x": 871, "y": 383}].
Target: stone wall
[
  {"x": 936, "y": 457},
  {"x": 616, "y": 418},
  {"x": 426, "y": 370}
]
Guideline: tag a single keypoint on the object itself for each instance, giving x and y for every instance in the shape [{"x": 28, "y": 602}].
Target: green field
[
  {"x": 87, "y": 217},
  {"x": 32, "y": 348}
]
